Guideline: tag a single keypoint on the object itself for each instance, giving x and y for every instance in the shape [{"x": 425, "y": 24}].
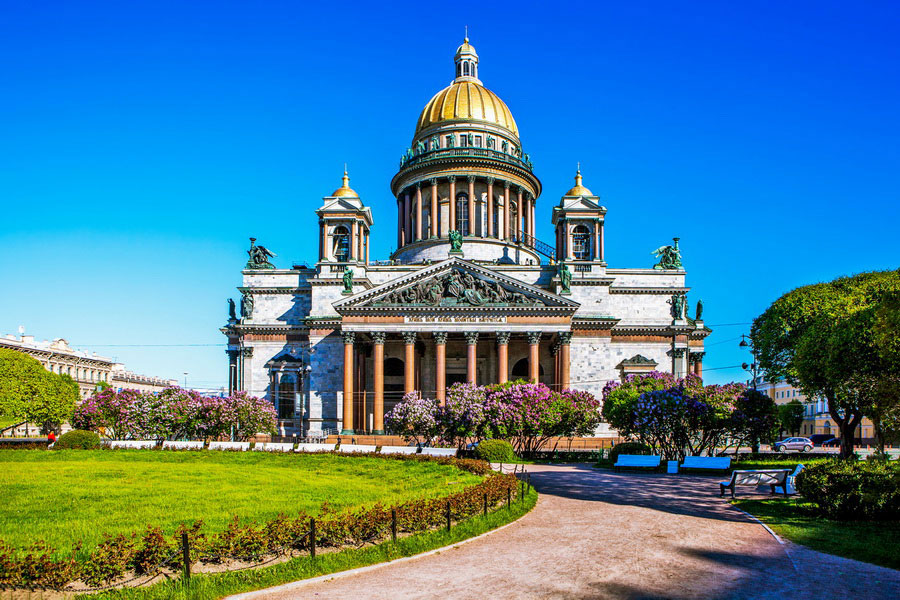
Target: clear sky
[{"x": 142, "y": 143}]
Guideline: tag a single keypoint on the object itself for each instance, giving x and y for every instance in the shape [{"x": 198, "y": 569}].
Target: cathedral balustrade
[{"x": 428, "y": 156}]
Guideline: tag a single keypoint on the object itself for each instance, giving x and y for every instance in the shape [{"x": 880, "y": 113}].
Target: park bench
[
  {"x": 709, "y": 463},
  {"x": 314, "y": 448},
  {"x": 233, "y": 446},
  {"x": 274, "y": 447},
  {"x": 351, "y": 448},
  {"x": 132, "y": 444},
  {"x": 399, "y": 449},
  {"x": 169, "y": 445},
  {"x": 439, "y": 451},
  {"x": 637, "y": 461},
  {"x": 789, "y": 482},
  {"x": 771, "y": 477}
]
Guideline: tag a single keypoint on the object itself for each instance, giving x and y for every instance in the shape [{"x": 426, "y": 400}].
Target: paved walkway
[{"x": 597, "y": 534}]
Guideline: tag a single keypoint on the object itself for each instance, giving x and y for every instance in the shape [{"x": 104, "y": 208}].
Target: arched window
[
  {"x": 462, "y": 213},
  {"x": 341, "y": 244},
  {"x": 581, "y": 243},
  {"x": 287, "y": 389},
  {"x": 465, "y": 68}
]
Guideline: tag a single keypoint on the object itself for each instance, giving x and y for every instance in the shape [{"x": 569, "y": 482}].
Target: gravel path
[{"x": 598, "y": 534}]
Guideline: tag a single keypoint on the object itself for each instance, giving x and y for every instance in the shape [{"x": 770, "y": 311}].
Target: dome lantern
[{"x": 466, "y": 60}]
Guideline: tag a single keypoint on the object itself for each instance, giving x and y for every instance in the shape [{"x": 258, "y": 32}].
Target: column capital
[
  {"x": 471, "y": 337},
  {"x": 696, "y": 357},
  {"x": 491, "y": 180},
  {"x": 433, "y": 181},
  {"x": 409, "y": 337},
  {"x": 534, "y": 337},
  {"x": 348, "y": 336},
  {"x": 451, "y": 178},
  {"x": 677, "y": 352},
  {"x": 378, "y": 336},
  {"x": 507, "y": 185},
  {"x": 418, "y": 185},
  {"x": 503, "y": 337},
  {"x": 565, "y": 337},
  {"x": 520, "y": 190},
  {"x": 247, "y": 351},
  {"x": 470, "y": 178},
  {"x": 440, "y": 337}
]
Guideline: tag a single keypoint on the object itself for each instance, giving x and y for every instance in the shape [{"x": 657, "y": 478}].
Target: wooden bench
[
  {"x": 637, "y": 461},
  {"x": 439, "y": 451},
  {"x": 771, "y": 477},
  {"x": 710, "y": 463}
]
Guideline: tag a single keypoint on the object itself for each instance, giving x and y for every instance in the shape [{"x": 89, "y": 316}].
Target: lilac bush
[
  {"x": 415, "y": 418},
  {"x": 175, "y": 413},
  {"x": 463, "y": 415}
]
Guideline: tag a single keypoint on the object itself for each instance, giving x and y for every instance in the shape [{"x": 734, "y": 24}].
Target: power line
[{"x": 730, "y": 324}]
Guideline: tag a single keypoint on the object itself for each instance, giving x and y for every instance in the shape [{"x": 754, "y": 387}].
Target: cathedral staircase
[{"x": 540, "y": 247}]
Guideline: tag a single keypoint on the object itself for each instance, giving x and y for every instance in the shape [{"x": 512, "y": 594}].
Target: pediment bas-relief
[{"x": 456, "y": 287}]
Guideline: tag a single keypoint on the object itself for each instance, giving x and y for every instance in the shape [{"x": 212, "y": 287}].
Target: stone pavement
[{"x": 598, "y": 534}]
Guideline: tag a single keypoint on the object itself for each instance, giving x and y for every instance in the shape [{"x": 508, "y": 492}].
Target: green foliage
[
  {"x": 825, "y": 338},
  {"x": 755, "y": 419},
  {"x": 28, "y": 392},
  {"x": 78, "y": 438},
  {"x": 790, "y": 416},
  {"x": 619, "y": 399},
  {"x": 628, "y": 448},
  {"x": 499, "y": 451},
  {"x": 853, "y": 490}
]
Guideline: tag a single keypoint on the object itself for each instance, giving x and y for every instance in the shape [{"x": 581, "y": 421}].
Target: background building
[
  {"x": 469, "y": 295},
  {"x": 86, "y": 369}
]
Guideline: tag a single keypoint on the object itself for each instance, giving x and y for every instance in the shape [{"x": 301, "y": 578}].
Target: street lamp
[
  {"x": 185, "y": 379},
  {"x": 752, "y": 368}
]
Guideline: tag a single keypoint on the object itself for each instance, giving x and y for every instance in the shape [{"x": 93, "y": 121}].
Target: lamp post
[
  {"x": 752, "y": 368},
  {"x": 185, "y": 379}
]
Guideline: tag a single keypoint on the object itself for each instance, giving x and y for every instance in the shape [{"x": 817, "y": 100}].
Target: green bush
[
  {"x": 628, "y": 448},
  {"x": 853, "y": 490},
  {"x": 496, "y": 451},
  {"x": 78, "y": 438}
]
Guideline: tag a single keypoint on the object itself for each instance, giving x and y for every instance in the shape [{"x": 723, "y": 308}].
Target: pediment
[{"x": 453, "y": 285}]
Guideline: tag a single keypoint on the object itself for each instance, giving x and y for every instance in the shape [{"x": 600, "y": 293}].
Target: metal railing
[
  {"x": 443, "y": 153},
  {"x": 539, "y": 246}
]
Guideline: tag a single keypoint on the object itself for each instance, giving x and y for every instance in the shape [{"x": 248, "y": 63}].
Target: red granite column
[
  {"x": 565, "y": 339},
  {"x": 471, "y": 355},
  {"x": 490, "y": 207},
  {"x": 440, "y": 353},
  {"x": 378, "y": 362},
  {"x": 418, "y": 212},
  {"x": 452, "y": 225},
  {"x": 409, "y": 363},
  {"x": 348, "y": 337},
  {"x": 534, "y": 365},
  {"x": 471, "y": 207},
  {"x": 502, "y": 356},
  {"x": 435, "y": 232}
]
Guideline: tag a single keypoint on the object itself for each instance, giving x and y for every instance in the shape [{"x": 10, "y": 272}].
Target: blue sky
[{"x": 144, "y": 142}]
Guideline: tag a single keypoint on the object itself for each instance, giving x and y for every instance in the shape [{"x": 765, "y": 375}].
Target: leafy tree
[
  {"x": 619, "y": 399},
  {"x": 755, "y": 418},
  {"x": 31, "y": 393},
  {"x": 790, "y": 416},
  {"x": 812, "y": 337}
]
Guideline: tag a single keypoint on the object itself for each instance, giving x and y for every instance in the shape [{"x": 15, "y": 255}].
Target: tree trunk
[{"x": 846, "y": 424}]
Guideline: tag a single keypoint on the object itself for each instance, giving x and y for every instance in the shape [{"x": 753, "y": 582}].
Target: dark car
[
  {"x": 819, "y": 439},
  {"x": 832, "y": 443}
]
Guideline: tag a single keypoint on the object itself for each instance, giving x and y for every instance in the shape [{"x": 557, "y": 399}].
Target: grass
[
  {"x": 870, "y": 541},
  {"x": 218, "y": 585},
  {"x": 789, "y": 462},
  {"x": 66, "y": 496}
]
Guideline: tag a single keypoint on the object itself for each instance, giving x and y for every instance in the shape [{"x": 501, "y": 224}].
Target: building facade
[
  {"x": 87, "y": 369},
  {"x": 470, "y": 294}
]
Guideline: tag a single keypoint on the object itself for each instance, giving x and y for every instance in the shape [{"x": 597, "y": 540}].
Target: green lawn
[
  {"x": 873, "y": 542},
  {"x": 70, "y": 495},
  {"x": 781, "y": 463}
]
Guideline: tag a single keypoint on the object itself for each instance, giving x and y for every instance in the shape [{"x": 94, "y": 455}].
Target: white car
[{"x": 795, "y": 443}]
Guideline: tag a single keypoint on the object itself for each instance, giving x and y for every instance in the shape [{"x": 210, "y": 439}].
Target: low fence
[{"x": 122, "y": 560}]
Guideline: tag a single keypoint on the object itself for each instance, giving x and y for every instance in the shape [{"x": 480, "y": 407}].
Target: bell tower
[
  {"x": 344, "y": 223},
  {"x": 578, "y": 220}
]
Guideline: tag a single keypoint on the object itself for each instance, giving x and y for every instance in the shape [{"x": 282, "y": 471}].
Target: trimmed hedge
[
  {"x": 498, "y": 451},
  {"x": 628, "y": 448},
  {"x": 864, "y": 491},
  {"x": 78, "y": 438}
]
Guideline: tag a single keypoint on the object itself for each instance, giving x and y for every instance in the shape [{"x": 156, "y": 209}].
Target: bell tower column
[
  {"x": 452, "y": 225},
  {"x": 490, "y": 207},
  {"x": 435, "y": 232}
]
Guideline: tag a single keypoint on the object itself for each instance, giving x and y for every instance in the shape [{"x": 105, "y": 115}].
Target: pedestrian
[{"x": 51, "y": 439}]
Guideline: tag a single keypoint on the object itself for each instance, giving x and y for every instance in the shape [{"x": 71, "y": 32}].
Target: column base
[
  {"x": 377, "y": 432},
  {"x": 347, "y": 432},
  {"x": 456, "y": 253}
]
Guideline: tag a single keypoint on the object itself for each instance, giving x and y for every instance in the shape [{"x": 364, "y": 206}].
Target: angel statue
[
  {"x": 678, "y": 303},
  {"x": 669, "y": 256},
  {"x": 699, "y": 315},
  {"x": 348, "y": 281},
  {"x": 565, "y": 277},
  {"x": 456, "y": 240},
  {"x": 231, "y": 315},
  {"x": 259, "y": 256}
]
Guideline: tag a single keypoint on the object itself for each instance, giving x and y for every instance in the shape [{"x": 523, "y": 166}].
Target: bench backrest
[
  {"x": 141, "y": 444},
  {"x": 706, "y": 462},
  {"x": 439, "y": 451},
  {"x": 762, "y": 477},
  {"x": 167, "y": 445},
  {"x": 398, "y": 450},
  {"x": 273, "y": 447},
  {"x": 315, "y": 448},
  {"x": 235, "y": 446},
  {"x": 638, "y": 460},
  {"x": 350, "y": 448}
]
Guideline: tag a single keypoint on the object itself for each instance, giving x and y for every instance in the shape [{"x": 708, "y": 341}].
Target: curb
[{"x": 295, "y": 585}]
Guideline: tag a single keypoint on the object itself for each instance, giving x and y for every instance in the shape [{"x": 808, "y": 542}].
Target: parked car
[
  {"x": 832, "y": 443},
  {"x": 818, "y": 439},
  {"x": 795, "y": 443}
]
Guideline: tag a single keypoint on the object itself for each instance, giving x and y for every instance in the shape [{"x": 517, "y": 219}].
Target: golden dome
[
  {"x": 467, "y": 101},
  {"x": 579, "y": 190},
  {"x": 466, "y": 48},
  {"x": 345, "y": 191}
]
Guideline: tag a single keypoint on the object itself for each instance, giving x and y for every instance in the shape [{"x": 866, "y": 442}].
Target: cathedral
[{"x": 470, "y": 294}]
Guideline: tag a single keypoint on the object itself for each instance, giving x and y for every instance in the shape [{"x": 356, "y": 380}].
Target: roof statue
[
  {"x": 565, "y": 278},
  {"x": 456, "y": 240},
  {"x": 348, "y": 281},
  {"x": 247, "y": 305},
  {"x": 669, "y": 256},
  {"x": 231, "y": 309},
  {"x": 699, "y": 314},
  {"x": 259, "y": 256}
]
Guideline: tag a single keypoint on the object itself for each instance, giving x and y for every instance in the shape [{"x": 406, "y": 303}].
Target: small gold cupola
[
  {"x": 579, "y": 190},
  {"x": 345, "y": 191}
]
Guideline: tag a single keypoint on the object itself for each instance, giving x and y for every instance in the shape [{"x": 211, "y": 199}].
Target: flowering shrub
[
  {"x": 415, "y": 418},
  {"x": 174, "y": 413},
  {"x": 526, "y": 414},
  {"x": 40, "y": 567}
]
